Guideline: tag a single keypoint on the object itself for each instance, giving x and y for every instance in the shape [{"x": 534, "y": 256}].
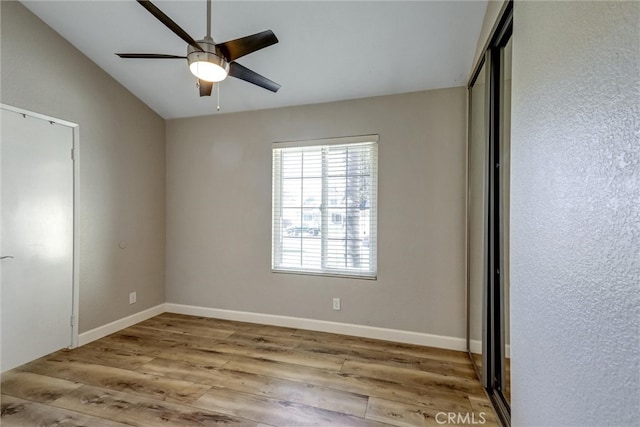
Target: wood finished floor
[{"x": 176, "y": 370}]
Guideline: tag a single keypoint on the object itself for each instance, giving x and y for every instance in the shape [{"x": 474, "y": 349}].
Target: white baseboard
[
  {"x": 475, "y": 346},
  {"x": 115, "y": 326},
  {"x": 451, "y": 343},
  {"x": 418, "y": 338}
]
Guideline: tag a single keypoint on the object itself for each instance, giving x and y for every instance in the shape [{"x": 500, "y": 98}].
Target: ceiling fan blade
[
  {"x": 149, "y": 56},
  {"x": 234, "y": 49},
  {"x": 243, "y": 73},
  {"x": 205, "y": 87},
  {"x": 169, "y": 23}
]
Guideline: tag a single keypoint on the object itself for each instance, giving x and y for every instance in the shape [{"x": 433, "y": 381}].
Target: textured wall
[
  {"x": 122, "y": 164},
  {"x": 575, "y": 228},
  {"x": 219, "y": 213}
]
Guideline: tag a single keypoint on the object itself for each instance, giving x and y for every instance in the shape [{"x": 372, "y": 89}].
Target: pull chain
[{"x": 218, "y": 87}]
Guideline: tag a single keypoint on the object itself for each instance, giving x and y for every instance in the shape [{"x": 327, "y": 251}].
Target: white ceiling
[{"x": 328, "y": 50}]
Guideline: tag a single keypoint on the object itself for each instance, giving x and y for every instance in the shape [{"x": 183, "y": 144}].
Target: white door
[{"x": 36, "y": 207}]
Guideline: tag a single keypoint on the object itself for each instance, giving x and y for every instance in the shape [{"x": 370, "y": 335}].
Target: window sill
[{"x": 325, "y": 274}]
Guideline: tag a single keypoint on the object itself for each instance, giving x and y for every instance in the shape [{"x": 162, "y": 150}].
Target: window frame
[{"x": 277, "y": 228}]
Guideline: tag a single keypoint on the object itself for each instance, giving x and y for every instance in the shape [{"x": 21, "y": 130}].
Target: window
[{"x": 325, "y": 206}]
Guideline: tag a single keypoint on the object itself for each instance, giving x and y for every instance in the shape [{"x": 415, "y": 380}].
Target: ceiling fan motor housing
[{"x": 210, "y": 55}]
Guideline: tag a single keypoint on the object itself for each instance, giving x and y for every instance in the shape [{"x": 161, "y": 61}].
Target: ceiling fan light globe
[
  {"x": 209, "y": 65},
  {"x": 208, "y": 71}
]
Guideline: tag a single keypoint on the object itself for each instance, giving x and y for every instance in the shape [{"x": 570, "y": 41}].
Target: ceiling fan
[{"x": 211, "y": 62}]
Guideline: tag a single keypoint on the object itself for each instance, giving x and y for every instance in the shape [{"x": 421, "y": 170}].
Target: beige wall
[
  {"x": 219, "y": 213},
  {"x": 122, "y": 164}
]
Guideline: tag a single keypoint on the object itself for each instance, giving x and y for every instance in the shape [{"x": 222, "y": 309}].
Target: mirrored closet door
[
  {"x": 477, "y": 218},
  {"x": 488, "y": 320}
]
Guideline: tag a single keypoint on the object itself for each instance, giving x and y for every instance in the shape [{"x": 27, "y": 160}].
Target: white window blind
[{"x": 325, "y": 207}]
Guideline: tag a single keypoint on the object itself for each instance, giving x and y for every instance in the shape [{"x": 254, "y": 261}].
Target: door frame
[{"x": 75, "y": 288}]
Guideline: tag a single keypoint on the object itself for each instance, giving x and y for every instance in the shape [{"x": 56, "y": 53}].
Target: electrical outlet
[
  {"x": 336, "y": 304},
  {"x": 132, "y": 298}
]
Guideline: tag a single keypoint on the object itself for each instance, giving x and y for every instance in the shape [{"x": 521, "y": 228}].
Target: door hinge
[
  {"x": 73, "y": 320},
  {"x": 73, "y": 154}
]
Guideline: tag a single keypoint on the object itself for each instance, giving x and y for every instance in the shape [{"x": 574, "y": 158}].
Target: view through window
[{"x": 324, "y": 206}]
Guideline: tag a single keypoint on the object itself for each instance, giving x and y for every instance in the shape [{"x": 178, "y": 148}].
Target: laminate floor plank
[
  {"x": 17, "y": 412},
  {"x": 381, "y": 345},
  {"x": 391, "y": 359},
  {"x": 272, "y": 331},
  {"x": 434, "y": 397},
  {"x": 402, "y": 414},
  {"x": 140, "y": 411},
  {"x": 154, "y": 349},
  {"x": 292, "y": 356},
  {"x": 361, "y": 354},
  {"x": 456, "y": 369},
  {"x": 180, "y": 370},
  {"x": 39, "y": 388},
  {"x": 104, "y": 356},
  {"x": 405, "y": 415},
  {"x": 166, "y": 339},
  {"x": 275, "y": 412},
  {"x": 245, "y": 327},
  {"x": 259, "y": 349},
  {"x": 416, "y": 378},
  {"x": 481, "y": 405},
  {"x": 261, "y": 340},
  {"x": 198, "y": 373},
  {"x": 179, "y": 326},
  {"x": 138, "y": 383},
  {"x": 271, "y": 387}
]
